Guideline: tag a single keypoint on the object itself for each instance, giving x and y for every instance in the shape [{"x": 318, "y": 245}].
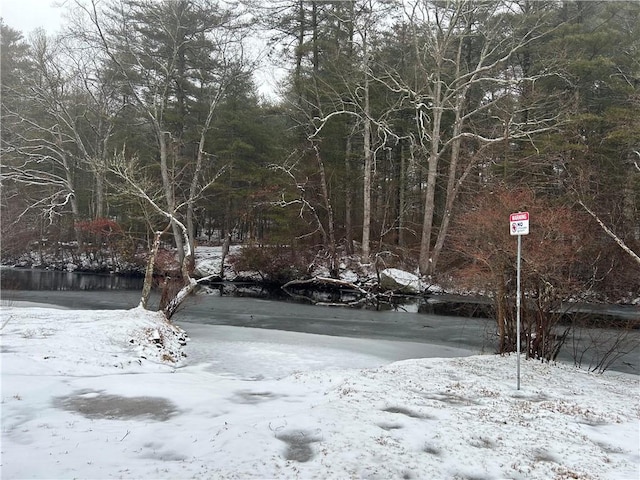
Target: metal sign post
[{"x": 518, "y": 225}]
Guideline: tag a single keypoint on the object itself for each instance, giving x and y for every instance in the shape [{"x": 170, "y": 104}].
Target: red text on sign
[{"x": 514, "y": 217}]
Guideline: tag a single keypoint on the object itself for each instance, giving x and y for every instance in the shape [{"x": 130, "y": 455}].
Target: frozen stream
[
  {"x": 259, "y": 354},
  {"x": 366, "y": 338}
]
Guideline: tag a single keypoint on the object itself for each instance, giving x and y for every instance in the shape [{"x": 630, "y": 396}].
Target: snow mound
[
  {"x": 400, "y": 281},
  {"x": 64, "y": 339},
  {"x": 209, "y": 262}
]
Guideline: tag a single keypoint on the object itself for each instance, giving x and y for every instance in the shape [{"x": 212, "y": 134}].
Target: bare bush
[
  {"x": 277, "y": 264},
  {"x": 598, "y": 343},
  {"x": 553, "y": 259}
]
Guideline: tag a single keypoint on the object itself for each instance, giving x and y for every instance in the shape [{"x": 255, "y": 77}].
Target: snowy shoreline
[{"x": 95, "y": 404}]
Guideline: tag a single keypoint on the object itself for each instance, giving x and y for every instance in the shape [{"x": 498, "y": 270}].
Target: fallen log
[{"x": 325, "y": 281}]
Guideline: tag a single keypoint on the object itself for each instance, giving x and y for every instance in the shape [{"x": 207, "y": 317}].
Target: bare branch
[{"x": 611, "y": 233}]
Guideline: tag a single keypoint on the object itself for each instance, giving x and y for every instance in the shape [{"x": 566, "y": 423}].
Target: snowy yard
[{"x": 109, "y": 394}]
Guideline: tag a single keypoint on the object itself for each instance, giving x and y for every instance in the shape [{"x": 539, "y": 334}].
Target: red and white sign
[{"x": 519, "y": 223}]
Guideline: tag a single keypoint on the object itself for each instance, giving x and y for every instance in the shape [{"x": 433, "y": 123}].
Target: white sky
[{"x": 27, "y": 15}]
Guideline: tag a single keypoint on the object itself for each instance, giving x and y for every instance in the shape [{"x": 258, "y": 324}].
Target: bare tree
[
  {"x": 196, "y": 47},
  {"x": 462, "y": 52},
  {"x": 135, "y": 182},
  {"x": 611, "y": 233},
  {"x": 364, "y": 20},
  {"x": 62, "y": 128},
  {"x": 308, "y": 206},
  {"x": 175, "y": 60}
]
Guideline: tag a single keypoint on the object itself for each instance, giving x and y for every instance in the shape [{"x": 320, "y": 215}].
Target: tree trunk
[
  {"x": 225, "y": 251},
  {"x": 402, "y": 196},
  {"x": 73, "y": 201},
  {"x": 331, "y": 240},
  {"x": 452, "y": 191},
  {"x": 348, "y": 199},
  {"x": 168, "y": 190},
  {"x": 99, "y": 193},
  {"x": 425, "y": 259},
  {"x": 368, "y": 166},
  {"x": 148, "y": 274},
  {"x": 189, "y": 283}
]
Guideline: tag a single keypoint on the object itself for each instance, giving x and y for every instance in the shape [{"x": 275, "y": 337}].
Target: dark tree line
[{"x": 396, "y": 125}]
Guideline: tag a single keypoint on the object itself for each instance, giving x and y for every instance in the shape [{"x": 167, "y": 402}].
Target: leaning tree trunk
[
  {"x": 148, "y": 274},
  {"x": 188, "y": 282}
]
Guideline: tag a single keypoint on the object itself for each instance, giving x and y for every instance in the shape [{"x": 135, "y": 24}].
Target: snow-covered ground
[{"x": 109, "y": 394}]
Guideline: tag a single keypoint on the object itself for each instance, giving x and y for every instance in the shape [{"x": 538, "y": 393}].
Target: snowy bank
[{"x": 80, "y": 399}]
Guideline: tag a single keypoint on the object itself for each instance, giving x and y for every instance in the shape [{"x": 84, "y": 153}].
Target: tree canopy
[{"x": 395, "y": 121}]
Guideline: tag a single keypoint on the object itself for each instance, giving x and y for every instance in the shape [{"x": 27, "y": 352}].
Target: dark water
[
  {"x": 36, "y": 279},
  {"x": 12, "y": 279},
  {"x": 250, "y": 306}
]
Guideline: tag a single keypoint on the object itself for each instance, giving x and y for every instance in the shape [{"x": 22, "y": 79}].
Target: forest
[{"x": 402, "y": 133}]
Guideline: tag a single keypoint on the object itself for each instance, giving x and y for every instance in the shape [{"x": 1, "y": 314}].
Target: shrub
[
  {"x": 553, "y": 265},
  {"x": 277, "y": 264}
]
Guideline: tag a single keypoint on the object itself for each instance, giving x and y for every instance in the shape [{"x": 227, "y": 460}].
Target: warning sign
[{"x": 519, "y": 223}]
